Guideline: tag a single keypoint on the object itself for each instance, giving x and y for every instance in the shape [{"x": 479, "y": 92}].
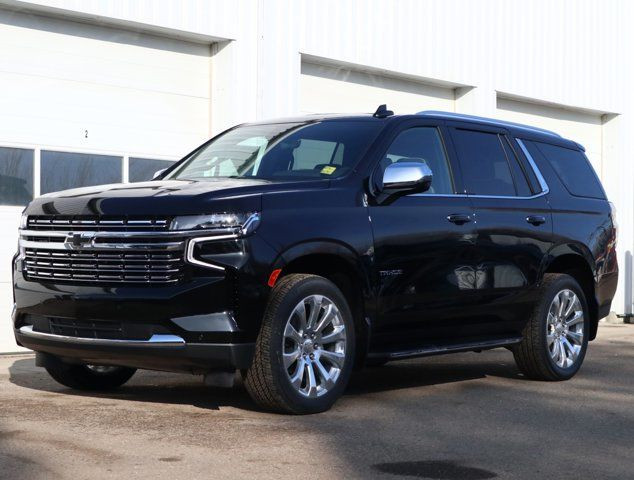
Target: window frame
[
  {"x": 536, "y": 144},
  {"x": 360, "y": 164},
  {"x": 110, "y": 157},
  {"x": 513, "y": 159},
  {"x": 454, "y": 169},
  {"x": 34, "y": 154},
  {"x": 502, "y": 132},
  {"x": 37, "y": 150}
]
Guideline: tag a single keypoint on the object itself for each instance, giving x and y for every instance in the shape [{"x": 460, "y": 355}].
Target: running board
[{"x": 442, "y": 349}]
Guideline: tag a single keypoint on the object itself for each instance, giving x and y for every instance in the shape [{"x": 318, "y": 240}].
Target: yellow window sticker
[{"x": 328, "y": 170}]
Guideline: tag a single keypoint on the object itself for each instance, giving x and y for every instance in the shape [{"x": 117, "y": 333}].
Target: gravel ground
[{"x": 464, "y": 416}]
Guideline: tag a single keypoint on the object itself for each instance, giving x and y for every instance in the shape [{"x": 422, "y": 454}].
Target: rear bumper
[{"x": 160, "y": 352}]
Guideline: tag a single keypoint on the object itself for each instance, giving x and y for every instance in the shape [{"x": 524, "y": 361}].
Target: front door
[{"x": 423, "y": 249}]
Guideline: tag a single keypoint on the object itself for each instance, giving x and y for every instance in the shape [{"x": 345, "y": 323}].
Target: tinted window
[
  {"x": 485, "y": 168},
  {"x": 142, "y": 169},
  {"x": 519, "y": 176},
  {"x": 422, "y": 145},
  {"x": 62, "y": 170},
  {"x": 574, "y": 170},
  {"x": 16, "y": 176},
  {"x": 296, "y": 150},
  {"x": 528, "y": 169}
]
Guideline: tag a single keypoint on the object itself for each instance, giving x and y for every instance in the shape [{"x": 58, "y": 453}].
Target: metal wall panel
[{"x": 569, "y": 55}]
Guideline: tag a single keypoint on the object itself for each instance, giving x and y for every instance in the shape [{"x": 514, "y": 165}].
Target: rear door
[{"x": 513, "y": 225}]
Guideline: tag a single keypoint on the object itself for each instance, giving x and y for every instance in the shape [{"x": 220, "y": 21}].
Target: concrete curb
[{"x": 613, "y": 319}]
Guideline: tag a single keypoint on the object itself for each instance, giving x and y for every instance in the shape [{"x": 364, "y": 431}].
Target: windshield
[{"x": 283, "y": 150}]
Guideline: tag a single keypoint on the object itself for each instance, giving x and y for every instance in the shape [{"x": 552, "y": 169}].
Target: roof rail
[{"x": 488, "y": 121}]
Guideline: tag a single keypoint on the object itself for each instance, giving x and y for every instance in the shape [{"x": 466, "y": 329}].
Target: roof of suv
[{"x": 515, "y": 128}]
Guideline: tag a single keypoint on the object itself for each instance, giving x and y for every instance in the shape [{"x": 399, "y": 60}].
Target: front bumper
[
  {"x": 160, "y": 352},
  {"x": 186, "y": 327}
]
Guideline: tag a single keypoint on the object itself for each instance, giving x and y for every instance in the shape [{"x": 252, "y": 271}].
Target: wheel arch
[
  {"x": 579, "y": 264},
  {"x": 343, "y": 266}
]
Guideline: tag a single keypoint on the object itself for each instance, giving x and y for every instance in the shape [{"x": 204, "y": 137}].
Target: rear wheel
[
  {"x": 89, "y": 377},
  {"x": 303, "y": 356},
  {"x": 556, "y": 336}
]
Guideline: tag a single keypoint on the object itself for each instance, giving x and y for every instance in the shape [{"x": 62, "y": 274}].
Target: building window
[
  {"x": 142, "y": 169},
  {"x": 16, "y": 176},
  {"x": 64, "y": 170}
]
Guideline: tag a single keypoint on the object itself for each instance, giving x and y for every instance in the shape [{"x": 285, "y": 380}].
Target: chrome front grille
[
  {"x": 86, "y": 250},
  {"x": 98, "y": 266}
]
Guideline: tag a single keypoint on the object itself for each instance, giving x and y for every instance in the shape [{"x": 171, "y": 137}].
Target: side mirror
[
  {"x": 406, "y": 177},
  {"x": 158, "y": 173}
]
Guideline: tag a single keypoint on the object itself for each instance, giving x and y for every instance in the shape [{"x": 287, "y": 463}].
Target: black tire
[
  {"x": 81, "y": 377},
  {"x": 532, "y": 355},
  {"x": 267, "y": 380}
]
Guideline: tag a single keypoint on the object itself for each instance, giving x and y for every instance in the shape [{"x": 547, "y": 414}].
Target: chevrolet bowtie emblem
[{"x": 78, "y": 240}]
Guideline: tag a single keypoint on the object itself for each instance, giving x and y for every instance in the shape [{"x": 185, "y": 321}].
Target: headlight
[
  {"x": 238, "y": 221},
  {"x": 24, "y": 220}
]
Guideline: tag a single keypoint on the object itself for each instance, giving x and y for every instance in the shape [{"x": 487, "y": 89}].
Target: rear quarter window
[{"x": 573, "y": 169}]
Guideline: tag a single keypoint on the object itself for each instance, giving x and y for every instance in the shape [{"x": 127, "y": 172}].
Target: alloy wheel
[
  {"x": 564, "y": 328},
  {"x": 314, "y": 346}
]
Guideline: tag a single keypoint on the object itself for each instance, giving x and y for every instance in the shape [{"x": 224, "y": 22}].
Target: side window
[
  {"x": 528, "y": 168},
  {"x": 519, "y": 175},
  {"x": 485, "y": 168},
  {"x": 574, "y": 170},
  {"x": 423, "y": 145}
]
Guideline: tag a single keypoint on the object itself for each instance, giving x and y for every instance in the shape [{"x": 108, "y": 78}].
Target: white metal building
[{"x": 102, "y": 91}]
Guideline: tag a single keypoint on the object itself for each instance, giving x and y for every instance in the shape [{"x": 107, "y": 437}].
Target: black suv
[{"x": 296, "y": 250}]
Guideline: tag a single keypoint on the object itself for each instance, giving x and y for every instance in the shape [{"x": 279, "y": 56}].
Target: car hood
[{"x": 169, "y": 197}]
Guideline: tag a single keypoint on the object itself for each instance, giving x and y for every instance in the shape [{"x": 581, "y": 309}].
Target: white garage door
[
  {"x": 84, "y": 105},
  {"x": 327, "y": 89},
  {"x": 72, "y": 84},
  {"x": 584, "y": 128}
]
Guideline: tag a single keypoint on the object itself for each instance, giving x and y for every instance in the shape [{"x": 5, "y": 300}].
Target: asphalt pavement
[{"x": 464, "y": 416}]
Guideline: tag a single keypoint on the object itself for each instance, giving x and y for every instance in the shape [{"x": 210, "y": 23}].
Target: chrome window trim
[
  {"x": 540, "y": 179},
  {"x": 465, "y": 195},
  {"x": 538, "y": 174}
]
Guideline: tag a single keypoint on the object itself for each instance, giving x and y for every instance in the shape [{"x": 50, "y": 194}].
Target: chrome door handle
[
  {"x": 536, "y": 220},
  {"x": 459, "y": 218}
]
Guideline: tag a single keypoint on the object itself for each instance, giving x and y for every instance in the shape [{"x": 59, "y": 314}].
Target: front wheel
[
  {"x": 556, "y": 335},
  {"x": 305, "y": 350}
]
